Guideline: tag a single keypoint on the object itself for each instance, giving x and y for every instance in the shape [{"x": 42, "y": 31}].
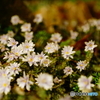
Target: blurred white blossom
[
  {"x": 84, "y": 83},
  {"x": 45, "y": 81}
]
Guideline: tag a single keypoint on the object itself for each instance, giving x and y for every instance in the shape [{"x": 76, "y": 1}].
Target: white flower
[
  {"x": 81, "y": 65},
  {"x": 68, "y": 70},
  {"x": 85, "y": 27},
  {"x": 26, "y": 27},
  {"x": 14, "y": 68},
  {"x": 73, "y": 34},
  {"x": 84, "y": 83},
  {"x": 38, "y": 18},
  {"x": 4, "y": 85},
  {"x": 90, "y": 46},
  {"x": 27, "y": 46},
  {"x": 11, "y": 42},
  {"x": 56, "y": 37},
  {"x": 24, "y": 82},
  {"x": 41, "y": 56},
  {"x": 51, "y": 47},
  {"x": 31, "y": 59},
  {"x": 16, "y": 51},
  {"x": 28, "y": 35},
  {"x": 45, "y": 81},
  {"x": 15, "y": 19},
  {"x": 45, "y": 62},
  {"x": 4, "y": 39},
  {"x": 67, "y": 52},
  {"x": 10, "y": 56}
]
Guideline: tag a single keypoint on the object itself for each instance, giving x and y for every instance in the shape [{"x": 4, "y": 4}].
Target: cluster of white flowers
[{"x": 15, "y": 54}]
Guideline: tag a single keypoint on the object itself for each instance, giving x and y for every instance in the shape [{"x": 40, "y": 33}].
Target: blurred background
[{"x": 56, "y": 13}]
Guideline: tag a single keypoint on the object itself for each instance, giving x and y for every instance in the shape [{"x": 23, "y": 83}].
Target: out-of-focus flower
[
  {"x": 26, "y": 27},
  {"x": 51, "y": 47},
  {"x": 81, "y": 65},
  {"x": 4, "y": 85},
  {"x": 73, "y": 34},
  {"x": 66, "y": 97},
  {"x": 84, "y": 83},
  {"x": 56, "y": 37},
  {"x": 24, "y": 82},
  {"x": 68, "y": 70},
  {"x": 10, "y": 34},
  {"x": 3, "y": 47},
  {"x": 4, "y": 38},
  {"x": 92, "y": 22},
  {"x": 85, "y": 27},
  {"x": 67, "y": 52},
  {"x": 14, "y": 68},
  {"x": 90, "y": 46},
  {"x": 45, "y": 81},
  {"x": 56, "y": 80},
  {"x": 38, "y": 18},
  {"x": 15, "y": 19},
  {"x": 28, "y": 35}
]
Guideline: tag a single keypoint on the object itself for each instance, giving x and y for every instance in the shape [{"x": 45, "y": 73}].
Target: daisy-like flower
[
  {"x": 90, "y": 46},
  {"x": 4, "y": 85},
  {"x": 17, "y": 51},
  {"x": 15, "y": 19},
  {"x": 56, "y": 37},
  {"x": 4, "y": 39},
  {"x": 38, "y": 18},
  {"x": 81, "y": 65},
  {"x": 45, "y": 81},
  {"x": 73, "y": 34},
  {"x": 27, "y": 46},
  {"x": 68, "y": 70},
  {"x": 45, "y": 62},
  {"x": 84, "y": 83},
  {"x": 26, "y": 27},
  {"x": 5, "y": 74},
  {"x": 41, "y": 56},
  {"x": 28, "y": 35},
  {"x": 9, "y": 56},
  {"x": 31, "y": 59},
  {"x": 11, "y": 42},
  {"x": 51, "y": 47},
  {"x": 24, "y": 82},
  {"x": 67, "y": 52},
  {"x": 14, "y": 68}
]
